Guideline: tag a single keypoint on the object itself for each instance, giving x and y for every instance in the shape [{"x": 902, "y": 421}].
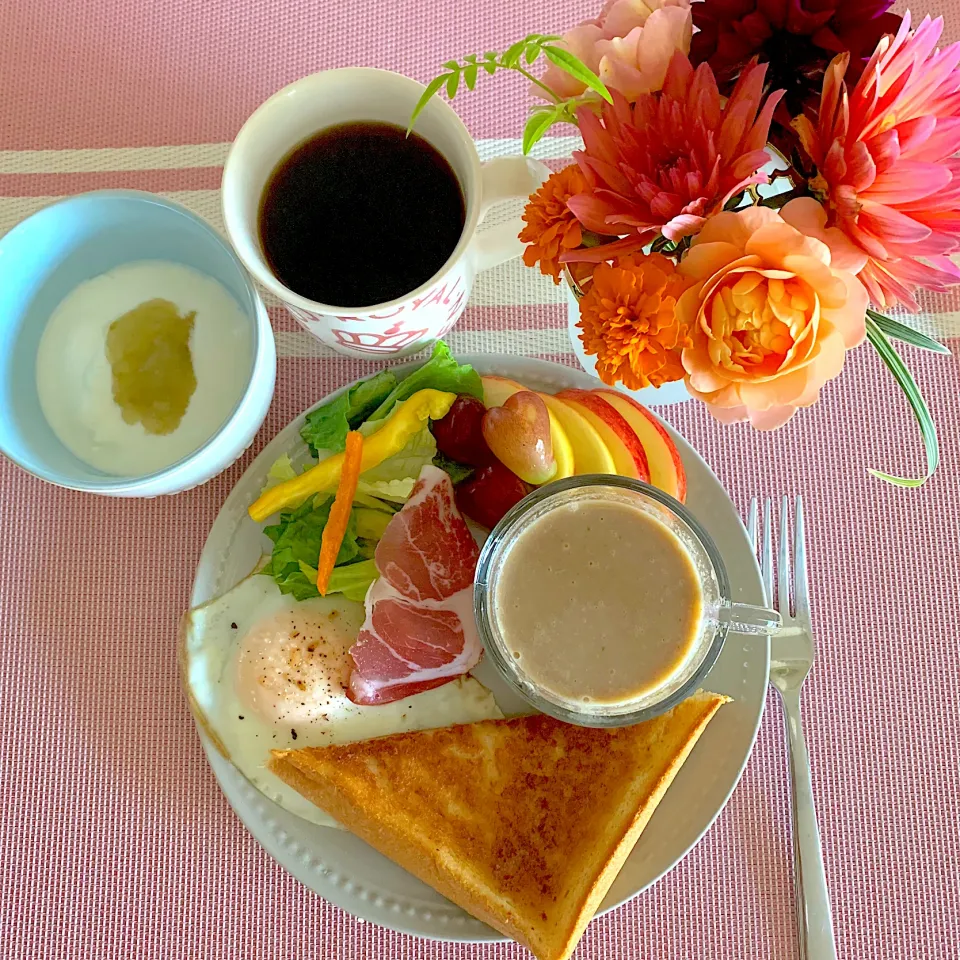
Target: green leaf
[
  {"x": 440, "y": 372},
  {"x": 906, "y": 383},
  {"x": 406, "y": 464},
  {"x": 576, "y": 68},
  {"x": 489, "y": 67},
  {"x": 491, "y": 56},
  {"x": 374, "y": 503},
  {"x": 900, "y": 331},
  {"x": 511, "y": 56},
  {"x": 470, "y": 58},
  {"x": 326, "y": 427},
  {"x": 432, "y": 87},
  {"x": 531, "y": 52},
  {"x": 353, "y": 580},
  {"x": 281, "y": 470},
  {"x": 458, "y": 472},
  {"x": 453, "y": 84},
  {"x": 452, "y": 65},
  {"x": 470, "y": 76},
  {"x": 537, "y": 125},
  {"x": 296, "y": 544},
  {"x": 371, "y": 524}
]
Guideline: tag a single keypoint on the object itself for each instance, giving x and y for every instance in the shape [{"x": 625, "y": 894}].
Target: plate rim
[{"x": 323, "y": 879}]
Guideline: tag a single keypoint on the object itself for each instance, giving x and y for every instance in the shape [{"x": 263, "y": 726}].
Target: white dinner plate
[{"x": 344, "y": 870}]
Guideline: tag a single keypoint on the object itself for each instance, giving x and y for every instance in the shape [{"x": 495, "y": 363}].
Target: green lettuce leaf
[
  {"x": 370, "y": 523},
  {"x": 296, "y": 541},
  {"x": 280, "y": 471},
  {"x": 420, "y": 450},
  {"x": 374, "y": 503},
  {"x": 368, "y": 548},
  {"x": 352, "y": 579},
  {"x": 458, "y": 472},
  {"x": 326, "y": 427},
  {"x": 440, "y": 372},
  {"x": 396, "y": 491}
]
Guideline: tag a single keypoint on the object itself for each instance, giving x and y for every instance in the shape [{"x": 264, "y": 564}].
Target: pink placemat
[{"x": 114, "y": 838}]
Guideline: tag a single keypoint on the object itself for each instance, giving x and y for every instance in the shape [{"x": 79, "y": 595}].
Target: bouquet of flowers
[{"x": 684, "y": 265}]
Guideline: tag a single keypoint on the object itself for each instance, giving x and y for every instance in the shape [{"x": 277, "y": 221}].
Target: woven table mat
[{"x": 115, "y": 840}]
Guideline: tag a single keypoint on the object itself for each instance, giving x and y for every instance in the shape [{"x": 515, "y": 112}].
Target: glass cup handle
[{"x": 745, "y": 618}]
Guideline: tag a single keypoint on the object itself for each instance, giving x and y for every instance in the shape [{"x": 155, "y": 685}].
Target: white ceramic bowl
[{"x": 55, "y": 250}]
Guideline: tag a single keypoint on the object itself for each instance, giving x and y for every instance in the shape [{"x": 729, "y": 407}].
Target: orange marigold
[
  {"x": 551, "y": 229},
  {"x": 628, "y": 320}
]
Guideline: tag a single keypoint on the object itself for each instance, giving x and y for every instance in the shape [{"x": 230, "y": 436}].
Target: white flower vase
[{"x": 666, "y": 395}]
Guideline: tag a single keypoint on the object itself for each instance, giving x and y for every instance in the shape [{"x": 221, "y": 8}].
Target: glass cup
[{"x": 720, "y": 615}]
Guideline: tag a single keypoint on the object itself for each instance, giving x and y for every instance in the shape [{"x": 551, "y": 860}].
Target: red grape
[
  {"x": 490, "y": 493},
  {"x": 459, "y": 434}
]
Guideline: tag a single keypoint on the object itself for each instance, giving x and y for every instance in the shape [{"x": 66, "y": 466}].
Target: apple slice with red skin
[
  {"x": 625, "y": 446},
  {"x": 663, "y": 457}
]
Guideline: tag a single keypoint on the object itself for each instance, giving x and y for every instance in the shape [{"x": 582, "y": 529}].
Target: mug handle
[{"x": 504, "y": 178}]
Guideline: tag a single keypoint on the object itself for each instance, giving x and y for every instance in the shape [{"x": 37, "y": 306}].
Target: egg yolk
[{"x": 293, "y": 667}]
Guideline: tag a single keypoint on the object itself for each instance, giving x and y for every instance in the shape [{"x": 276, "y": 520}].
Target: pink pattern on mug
[{"x": 378, "y": 344}]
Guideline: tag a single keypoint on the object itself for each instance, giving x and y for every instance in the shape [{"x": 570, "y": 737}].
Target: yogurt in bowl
[
  {"x": 603, "y": 602},
  {"x": 136, "y": 357}
]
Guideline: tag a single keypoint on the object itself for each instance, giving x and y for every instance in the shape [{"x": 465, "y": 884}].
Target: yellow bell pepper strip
[
  {"x": 336, "y": 526},
  {"x": 405, "y": 422}
]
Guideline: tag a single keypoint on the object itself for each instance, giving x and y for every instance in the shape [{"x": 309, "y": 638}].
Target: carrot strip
[{"x": 336, "y": 528}]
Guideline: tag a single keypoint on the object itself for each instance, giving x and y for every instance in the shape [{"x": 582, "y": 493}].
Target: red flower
[{"x": 798, "y": 38}]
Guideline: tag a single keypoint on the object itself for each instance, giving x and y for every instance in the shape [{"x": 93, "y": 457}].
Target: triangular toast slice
[{"x": 524, "y": 822}]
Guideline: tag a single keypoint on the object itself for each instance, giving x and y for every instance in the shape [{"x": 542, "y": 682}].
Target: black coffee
[{"x": 360, "y": 214}]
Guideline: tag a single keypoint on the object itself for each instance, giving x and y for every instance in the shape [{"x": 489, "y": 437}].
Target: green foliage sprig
[{"x": 520, "y": 55}]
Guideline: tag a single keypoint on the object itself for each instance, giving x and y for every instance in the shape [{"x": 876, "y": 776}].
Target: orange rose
[{"x": 770, "y": 315}]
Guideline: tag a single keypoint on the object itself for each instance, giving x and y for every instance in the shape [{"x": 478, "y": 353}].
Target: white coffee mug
[{"x": 408, "y": 323}]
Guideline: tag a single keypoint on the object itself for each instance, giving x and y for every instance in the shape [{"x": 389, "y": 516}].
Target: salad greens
[
  {"x": 458, "y": 472},
  {"x": 280, "y": 471},
  {"x": 326, "y": 427},
  {"x": 296, "y": 540},
  {"x": 352, "y": 580},
  {"x": 381, "y": 490},
  {"x": 371, "y": 524},
  {"x": 440, "y": 372},
  {"x": 373, "y": 399},
  {"x": 394, "y": 479}
]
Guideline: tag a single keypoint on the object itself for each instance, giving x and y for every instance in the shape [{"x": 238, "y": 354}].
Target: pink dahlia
[
  {"x": 672, "y": 159},
  {"x": 885, "y": 166}
]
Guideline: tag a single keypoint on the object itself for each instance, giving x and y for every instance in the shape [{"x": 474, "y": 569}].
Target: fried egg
[{"x": 264, "y": 672}]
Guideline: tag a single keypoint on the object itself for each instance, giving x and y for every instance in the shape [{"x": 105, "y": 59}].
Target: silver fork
[{"x": 791, "y": 657}]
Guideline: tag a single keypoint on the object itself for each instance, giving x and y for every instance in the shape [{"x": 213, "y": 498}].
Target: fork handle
[{"x": 814, "y": 918}]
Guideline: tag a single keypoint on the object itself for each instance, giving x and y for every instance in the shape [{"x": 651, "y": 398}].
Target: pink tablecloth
[{"x": 114, "y": 838}]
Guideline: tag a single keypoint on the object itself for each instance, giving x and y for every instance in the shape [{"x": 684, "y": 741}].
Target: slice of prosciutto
[{"x": 419, "y": 630}]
